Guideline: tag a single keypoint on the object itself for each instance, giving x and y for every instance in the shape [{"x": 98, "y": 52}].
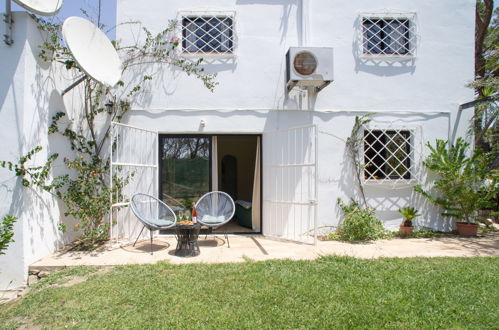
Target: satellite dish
[
  {"x": 41, "y": 7},
  {"x": 92, "y": 50}
]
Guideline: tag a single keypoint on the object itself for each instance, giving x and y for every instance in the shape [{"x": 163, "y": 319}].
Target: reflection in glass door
[{"x": 185, "y": 169}]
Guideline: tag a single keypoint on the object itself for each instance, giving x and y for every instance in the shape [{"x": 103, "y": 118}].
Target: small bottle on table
[{"x": 194, "y": 213}]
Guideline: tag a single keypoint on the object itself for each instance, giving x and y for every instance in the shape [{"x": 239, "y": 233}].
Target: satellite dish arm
[{"x": 73, "y": 85}]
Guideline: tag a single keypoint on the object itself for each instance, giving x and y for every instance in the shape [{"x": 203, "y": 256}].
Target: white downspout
[
  {"x": 9, "y": 21},
  {"x": 304, "y": 8},
  {"x": 304, "y": 42}
]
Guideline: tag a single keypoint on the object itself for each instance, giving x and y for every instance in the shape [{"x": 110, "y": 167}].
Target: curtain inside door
[{"x": 255, "y": 210}]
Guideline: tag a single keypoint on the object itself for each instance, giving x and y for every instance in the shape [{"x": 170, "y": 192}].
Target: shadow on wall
[
  {"x": 11, "y": 57},
  {"x": 378, "y": 67},
  {"x": 41, "y": 210},
  {"x": 215, "y": 65},
  {"x": 348, "y": 184},
  {"x": 166, "y": 76},
  {"x": 45, "y": 211},
  {"x": 60, "y": 144},
  {"x": 284, "y": 100},
  {"x": 431, "y": 214},
  {"x": 166, "y": 79},
  {"x": 287, "y": 5}
]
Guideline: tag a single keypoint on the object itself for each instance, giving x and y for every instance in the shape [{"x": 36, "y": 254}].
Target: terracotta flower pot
[
  {"x": 467, "y": 229},
  {"x": 405, "y": 230}
]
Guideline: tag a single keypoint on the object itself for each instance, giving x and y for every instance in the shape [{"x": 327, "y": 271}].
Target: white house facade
[
  {"x": 406, "y": 61},
  {"x": 272, "y": 133}
]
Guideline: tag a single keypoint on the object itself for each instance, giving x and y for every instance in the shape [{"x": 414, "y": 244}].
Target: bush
[
  {"x": 360, "y": 223},
  {"x": 6, "y": 232},
  {"x": 465, "y": 183}
]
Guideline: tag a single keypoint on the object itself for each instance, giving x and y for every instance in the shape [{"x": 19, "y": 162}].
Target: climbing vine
[
  {"x": 85, "y": 189},
  {"x": 354, "y": 145}
]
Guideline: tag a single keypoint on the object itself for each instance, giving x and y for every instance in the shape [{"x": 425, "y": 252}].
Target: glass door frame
[
  {"x": 191, "y": 135},
  {"x": 160, "y": 160}
]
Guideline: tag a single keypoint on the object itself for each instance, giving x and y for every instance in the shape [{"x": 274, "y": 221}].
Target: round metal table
[{"x": 187, "y": 240}]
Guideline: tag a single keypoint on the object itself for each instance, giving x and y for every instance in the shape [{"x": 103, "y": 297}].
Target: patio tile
[{"x": 255, "y": 247}]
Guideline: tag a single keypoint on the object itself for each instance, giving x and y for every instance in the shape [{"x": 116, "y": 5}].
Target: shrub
[
  {"x": 465, "y": 183},
  {"x": 360, "y": 223},
  {"x": 6, "y": 232},
  {"x": 409, "y": 213}
]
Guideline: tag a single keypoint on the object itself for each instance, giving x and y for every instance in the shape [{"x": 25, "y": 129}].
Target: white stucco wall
[
  {"x": 12, "y": 103},
  {"x": 266, "y": 29},
  {"x": 29, "y": 96},
  {"x": 251, "y": 97}
]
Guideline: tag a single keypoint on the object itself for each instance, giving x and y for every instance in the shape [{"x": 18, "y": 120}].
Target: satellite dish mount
[{"x": 44, "y": 8}]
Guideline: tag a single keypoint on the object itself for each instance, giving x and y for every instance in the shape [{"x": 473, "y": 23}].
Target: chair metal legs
[
  {"x": 150, "y": 231},
  {"x": 227, "y": 238},
  {"x": 139, "y": 235},
  {"x": 151, "y": 240},
  {"x": 210, "y": 230}
]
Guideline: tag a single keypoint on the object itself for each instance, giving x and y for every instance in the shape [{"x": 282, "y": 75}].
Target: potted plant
[
  {"x": 464, "y": 185},
  {"x": 408, "y": 213}
]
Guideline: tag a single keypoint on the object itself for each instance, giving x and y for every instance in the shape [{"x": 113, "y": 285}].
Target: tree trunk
[
  {"x": 481, "y": 27},
  {"x": 483, "y": 18}
]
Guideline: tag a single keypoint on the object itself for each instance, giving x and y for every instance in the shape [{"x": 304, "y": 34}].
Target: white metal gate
[
  {"x": 290, "y": 184},
  {"x": 134, "y": 158}
]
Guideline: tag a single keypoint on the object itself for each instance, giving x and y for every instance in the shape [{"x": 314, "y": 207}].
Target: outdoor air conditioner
[{"x": 309, "y": 67}]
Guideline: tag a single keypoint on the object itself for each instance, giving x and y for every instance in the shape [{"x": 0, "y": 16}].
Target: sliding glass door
[
  {"x": 185, "y": 164},
  {"x": 191, "y": 165}
]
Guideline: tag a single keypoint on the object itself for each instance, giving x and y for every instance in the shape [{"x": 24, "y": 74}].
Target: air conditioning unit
[{"x": 309, "y": 67}]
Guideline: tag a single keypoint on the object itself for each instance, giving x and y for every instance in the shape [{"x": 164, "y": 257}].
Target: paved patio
[{"x": 215, "y": 250}]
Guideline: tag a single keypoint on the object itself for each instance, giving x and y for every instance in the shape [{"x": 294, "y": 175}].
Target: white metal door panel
[
  {"x": 134, "y": 157},
  {"x": 290, "y": 184}
]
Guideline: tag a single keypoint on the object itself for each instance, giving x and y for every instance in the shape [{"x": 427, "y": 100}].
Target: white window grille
[
  {"x": 388, "y": 35},
  {"x": 134, "y": 164},
  {"x": 392, "y": 155},
  {"x": 208, "y": 33}
]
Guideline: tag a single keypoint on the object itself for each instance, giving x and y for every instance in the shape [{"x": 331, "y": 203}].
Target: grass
[
  {"x": 334, "y": 236},
  {"x": 332, "y": 292}
]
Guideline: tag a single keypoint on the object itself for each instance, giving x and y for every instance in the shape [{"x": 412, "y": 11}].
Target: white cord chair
[
  {"x": 152, "y": 213},
  {"x": 215, "y": 209}
]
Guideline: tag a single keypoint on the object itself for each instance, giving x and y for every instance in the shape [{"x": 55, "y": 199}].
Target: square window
[
  {"x": 388, "y": 35},
  {"x": 387, "y": 154},
  {"x": 208, "y": 34}
]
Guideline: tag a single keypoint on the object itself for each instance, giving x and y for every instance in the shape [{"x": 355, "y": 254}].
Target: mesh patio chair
[
  {"x": 153, "y": 213},
  {"x": 215, "y": 209}
]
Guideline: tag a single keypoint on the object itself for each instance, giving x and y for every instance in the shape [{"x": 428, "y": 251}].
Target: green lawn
[{"x": 333, "y": 292}]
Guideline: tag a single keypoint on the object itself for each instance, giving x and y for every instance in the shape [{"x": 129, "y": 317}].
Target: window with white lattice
[
  {"x": 208, "y": 34},
  {"x": 388, "y": 35},
  {"x": 388, "y": 155}
]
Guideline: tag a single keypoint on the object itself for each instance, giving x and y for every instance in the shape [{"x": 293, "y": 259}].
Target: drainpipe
[
  {"x": 7, "y": 37},
  {"x": 304, "y": 7},
  {"x": 304, "y": 42},
  {"x": 465, "y": 106}
]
